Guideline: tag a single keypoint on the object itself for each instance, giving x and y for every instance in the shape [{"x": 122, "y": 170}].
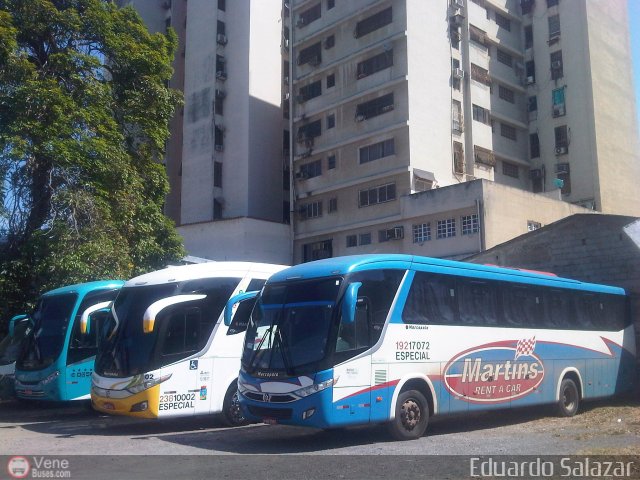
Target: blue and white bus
[{"x": 396, "y": 339}]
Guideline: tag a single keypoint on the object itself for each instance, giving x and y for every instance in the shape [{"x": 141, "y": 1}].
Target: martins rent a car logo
[{"x": 495, "y": 373}]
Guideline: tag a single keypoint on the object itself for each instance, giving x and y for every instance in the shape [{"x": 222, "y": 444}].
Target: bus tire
[
  {"x": 412, "y": 416},
  {"x": 231, "y": 412},
  {"x": 569, "y": 400}
]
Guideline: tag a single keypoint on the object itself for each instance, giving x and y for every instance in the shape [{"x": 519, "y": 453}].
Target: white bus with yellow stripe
[{"x": 170, "y": 353}]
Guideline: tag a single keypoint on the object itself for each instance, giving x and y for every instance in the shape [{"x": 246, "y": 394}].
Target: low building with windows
[{"x": 449, "y": 222}]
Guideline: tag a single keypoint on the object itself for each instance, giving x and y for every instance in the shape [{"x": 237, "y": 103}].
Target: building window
[
  {"x": 374, "y": 107},
  {"x": 331, "y": 162},
  {"x": 317, "y": 250},
  {"x": 470, "y": 224},
  {"x": 309, "y": 131},
  {"x": 377, "y": 151},
  {"x": 534, "y": 145},
  {"x": 310, "y": 170},
  {"x": 331, "y": 80},
  {"x": 333, "y": 205},
  {"x": 510, "y": 170},
  {"x": 221, "y": 28},
  {"x": 503, "y": 22},
  {"x": 218, "y": 138},
  {"x": 532, "y": 104},
  {"x": 374, "y": 64},
  {"x": 352, "y": 241},
  {"x": 505, "y": 58},
  {"x": 221, "y": 67},
  {"x": 365, "y": 238},
  {"x": 331, "y": 4},
  {"x": 375, "y": 195},
  {"x": 508, "y": 131},
  {"x": 554, "y": 26},
  {"x": 374, "y": 22},
  {"x": 331, "y": 121},
  {"x": 526, "y": 6},
  {"x": 506, "y": 94},
  {"x": 312, "y": 54},
  {"x": 222, "y": 5},
  {"x": 310, "y": 15},
  {"x": 217, "y": 209},
  {"x": 562, "y": 140},
  {"x": 310, "y": 91},
  {"x": 421, "y": 232},
  {"x": 556, "y": 65},
  {"x": 458, "y": 158},
  {"x": 456, "y": 116},
  {"x": 330, "y": 42},
  {"x": 552, "y": 3},
  {"x": 446, "y": 228},
  {"x": 311, "y": 210},
  {"x": 528, "y": 36},
  {"x": 530, "y": 72},
  {"x": 218, "y": 106},
  {"x": 480, "y": 74},
  {"x": 532, "y": 225},
  {"x": 481, "y": 114},
  {"x": 484, "y": 156},
  {"x": 286, "y": 179},
  {"x": 217, "y": 174},
  {"x": 557, "y": 97},
  {"x": 455, "y": 81},
  {"x": 563, "y": 173},
  {"x": 477, "y": 36}
]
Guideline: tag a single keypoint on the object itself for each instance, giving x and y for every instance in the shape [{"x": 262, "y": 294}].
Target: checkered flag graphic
[{"x": 525, "y": 347}]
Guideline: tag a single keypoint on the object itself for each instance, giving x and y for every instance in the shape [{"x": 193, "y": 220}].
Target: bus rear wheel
[
  {"x": 569, "y": 400},
  {"x": 412, "y": 416},
  {"x": 231, "y": 411}
]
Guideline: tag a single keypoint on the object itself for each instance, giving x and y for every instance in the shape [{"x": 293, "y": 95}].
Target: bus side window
[
  {"x": 182, "y": 331},
  {"x": 588, "y": 310},
  {"x": 477, "y": 302},
  {"x": 614, "y": 313},
  {"x": 432, "y": 300},
  {"x": 522, "y": 306},
  {"x": 241, "y": 317},
  {"x": 559, "y": 309},
  {"x": 355, "y": 335}
]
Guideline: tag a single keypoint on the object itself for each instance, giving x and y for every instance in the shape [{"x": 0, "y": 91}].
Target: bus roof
[
  {"x": 83, "y": 288},
  {"x": 354, "y": 263},
  {"x": 202, "y": 270}
]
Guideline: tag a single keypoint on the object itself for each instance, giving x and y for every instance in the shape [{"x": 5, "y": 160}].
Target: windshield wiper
[
  {"x": 284, "y": 353},
  {"x": 258, "y": 347}
]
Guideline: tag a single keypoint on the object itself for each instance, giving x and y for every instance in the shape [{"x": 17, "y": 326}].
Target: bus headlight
[
  {"x": 311, "y": 389},
  {"x": 50, "y": 378},
  {"x": 140, "y": 386}
]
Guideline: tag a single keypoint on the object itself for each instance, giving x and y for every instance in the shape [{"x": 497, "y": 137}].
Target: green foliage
[{"x": 84, "y": 116}]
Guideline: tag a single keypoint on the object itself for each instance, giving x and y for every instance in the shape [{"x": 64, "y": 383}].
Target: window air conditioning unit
[
  {"x": 561, "y": 150},
  {"x": 530, "y": 80},
  {"x": 286, "y": 43},
  {"x": 221, "y": 39},
  {"x": 457, "y": 19},
  {"x": 221, "y": 127},
  {"x": 458, "y": 73},
  {"x": 457, "y": 3},
  {"x": 300, "y": 23},
  {"x": 562, "y": 168},
  {"x": 220, "y": 93},
  {"x": 221, "y": 75},
  {"x": 314, "y": 61},
  {"x": 535, "y": 174},
  {"x": 556, "y": 65},
  {"x": 395, "y": 233},
  {"x": 301, "y": 175},
  {"x": 360, "y": 118},
  {"x": 558, "y": 110},
  {"x": 218, "y": 147}
]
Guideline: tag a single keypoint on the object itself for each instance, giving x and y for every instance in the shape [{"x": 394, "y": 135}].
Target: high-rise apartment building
[
  {"x": 389, "y": 98},
  {"x": 225, "y": 154}
]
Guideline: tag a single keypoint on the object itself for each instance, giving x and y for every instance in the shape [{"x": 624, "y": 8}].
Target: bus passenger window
[
  {"x": 522, "y": 306},
  {"x": 588, "y": 309},
  {"x": 559, "y": 309},
  {"x": 432, "y": 300},
  {"x": 478, "y": 303}
]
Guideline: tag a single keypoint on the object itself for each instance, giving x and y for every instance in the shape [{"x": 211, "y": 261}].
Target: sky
[{"x": 634, "y": 25}]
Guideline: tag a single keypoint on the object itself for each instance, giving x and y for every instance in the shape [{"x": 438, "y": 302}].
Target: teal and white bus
[
  {"x": 19, "y": 328},
  {"x": 396, "y": 339},
  {"x": 56, "y": 359}
]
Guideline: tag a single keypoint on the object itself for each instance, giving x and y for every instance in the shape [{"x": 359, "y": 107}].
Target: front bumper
[{"x": 132, "y": 405}]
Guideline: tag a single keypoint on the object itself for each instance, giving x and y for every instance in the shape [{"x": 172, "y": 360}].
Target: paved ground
[{"x": 36, "y": 429}]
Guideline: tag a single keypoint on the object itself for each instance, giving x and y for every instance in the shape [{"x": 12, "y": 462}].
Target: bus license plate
[{"x": 269, "y": 421}]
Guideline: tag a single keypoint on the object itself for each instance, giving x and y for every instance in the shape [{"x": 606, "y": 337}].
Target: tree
[{"x": 84, "y": 112}]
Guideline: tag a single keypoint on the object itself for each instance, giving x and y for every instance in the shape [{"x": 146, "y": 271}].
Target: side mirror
[
  {"x": 231, "y": 307},
  {"x": 350, "y": 301},
  {"x": 84, "y": 319},
  {"x": 14, "y": 321},
  {"x": 149, "y": 317}
]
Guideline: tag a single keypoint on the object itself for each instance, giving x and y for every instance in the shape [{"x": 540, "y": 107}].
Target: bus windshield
[
  {"x": 50, "y": 320},
  {"x": 290, "y": 326},
  {"x": 180, "y": 331},
  {"x": 10, "y": 345}
]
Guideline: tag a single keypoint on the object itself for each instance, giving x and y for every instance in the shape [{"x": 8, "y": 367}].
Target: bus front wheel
[
  {"x": 231, "y": 412},
  {"x": 569, "y": 400},
  {"x": 412, "y": 416}
]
